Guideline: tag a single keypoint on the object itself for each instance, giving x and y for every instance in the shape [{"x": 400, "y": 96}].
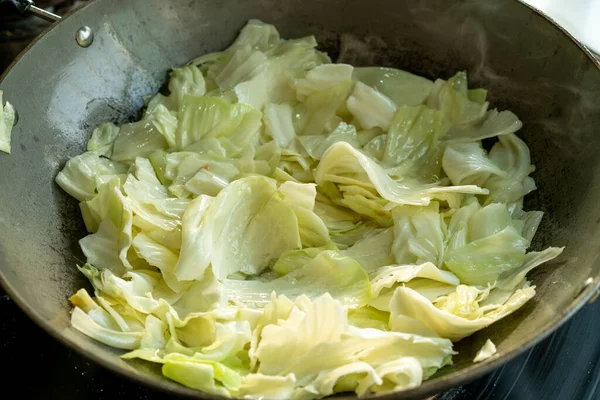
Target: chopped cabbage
[
  {"x": 282, "y": 227},
  {"x": 486, "y": 351},
  {"x": 7, "y": 120}
]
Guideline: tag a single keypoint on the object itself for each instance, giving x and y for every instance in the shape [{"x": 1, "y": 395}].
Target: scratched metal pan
[{"x": 530, "y": 66}]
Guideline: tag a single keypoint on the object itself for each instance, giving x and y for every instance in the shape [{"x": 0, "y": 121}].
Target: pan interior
[{"x": 62, "y": 91}]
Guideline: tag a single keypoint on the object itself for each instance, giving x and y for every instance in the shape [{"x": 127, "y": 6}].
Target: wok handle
[{"x": 28, "y": 6}]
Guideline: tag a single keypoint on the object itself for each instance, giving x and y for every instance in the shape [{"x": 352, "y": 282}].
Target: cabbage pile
[{"x": 280, "y": 226}]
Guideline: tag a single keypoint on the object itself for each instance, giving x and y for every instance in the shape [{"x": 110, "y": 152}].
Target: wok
[{"x": 61, "y": 91}]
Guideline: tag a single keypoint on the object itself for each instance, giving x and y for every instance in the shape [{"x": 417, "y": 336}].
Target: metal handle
[{"x": 28, "y": 6}]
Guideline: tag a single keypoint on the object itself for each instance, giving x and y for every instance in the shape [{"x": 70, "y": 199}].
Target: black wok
[{"x": 62, "y": 90}]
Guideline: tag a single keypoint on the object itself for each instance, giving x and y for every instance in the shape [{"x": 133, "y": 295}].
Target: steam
[{"x": 528, "y": 66}]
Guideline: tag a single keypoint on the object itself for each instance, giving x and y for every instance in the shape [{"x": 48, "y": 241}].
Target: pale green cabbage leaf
[
  {"x": 329, "y": 272},
  {"x": 402, "y": 87}
]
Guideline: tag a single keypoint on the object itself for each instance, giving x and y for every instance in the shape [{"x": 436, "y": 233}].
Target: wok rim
[{"x": 427, "y": 388}]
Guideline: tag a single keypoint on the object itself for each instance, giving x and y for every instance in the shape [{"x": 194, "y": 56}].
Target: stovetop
[{"x": 565, "y": 366}]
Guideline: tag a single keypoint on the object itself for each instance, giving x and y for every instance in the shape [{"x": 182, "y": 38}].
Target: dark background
[{"x": 564, "y": 366}]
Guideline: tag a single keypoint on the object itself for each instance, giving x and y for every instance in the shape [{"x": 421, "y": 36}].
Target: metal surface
[
  {"x": 84, "y": 36},
  {"x": 528, "y": 64},
  {"x": 43, "y": 14}
]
